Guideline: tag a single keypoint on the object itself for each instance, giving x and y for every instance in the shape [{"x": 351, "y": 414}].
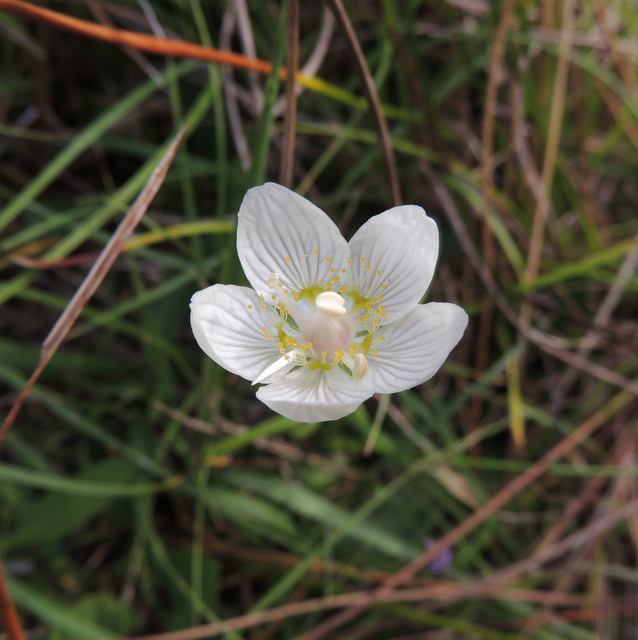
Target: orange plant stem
[
  {"x": 144, "y": 42},
  {"x": 8, "y": 613}
]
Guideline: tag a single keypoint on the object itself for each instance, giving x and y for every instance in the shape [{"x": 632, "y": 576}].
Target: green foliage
[{"x": 144, "y": 490}]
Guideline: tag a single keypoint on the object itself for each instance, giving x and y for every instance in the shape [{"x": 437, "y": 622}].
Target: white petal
[
  {"x": 403, "y": 245},
  {"x": 315, "y": 396},
  {"x": 280, "y": 232},
  {"x": 230, "y": 333},
  {"x": 415, "y": 346}
]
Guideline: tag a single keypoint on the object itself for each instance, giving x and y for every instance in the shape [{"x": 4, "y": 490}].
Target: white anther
[
  {"x": 272, "y": 280},
  {"x": 331, "y": 303},
  {"x": 360, "y": 367}
]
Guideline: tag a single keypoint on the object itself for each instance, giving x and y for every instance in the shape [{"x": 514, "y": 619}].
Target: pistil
[
  {"x": 329, "y": 328},
  {"x": 326, "y": 334}
]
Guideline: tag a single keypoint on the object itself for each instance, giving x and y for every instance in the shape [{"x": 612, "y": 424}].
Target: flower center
[
  {"x": 323, "y": 339},
  {"x": 329, "y": 328}
]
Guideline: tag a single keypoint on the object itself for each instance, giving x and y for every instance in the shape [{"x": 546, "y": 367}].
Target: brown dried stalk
[
  {"x": 95, "y": 276},
  {"x": 440, "y": 591},
  {"x": 8, "y": 613},
  {"x": 487, "y": 162},
  {"x": 551, "y": 150},
  {"x": 292, "y": 62},
  {"x": 387, "y": 153}
]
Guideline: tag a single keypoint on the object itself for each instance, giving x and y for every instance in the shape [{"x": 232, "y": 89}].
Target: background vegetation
[{"x": 145, "y": 490}]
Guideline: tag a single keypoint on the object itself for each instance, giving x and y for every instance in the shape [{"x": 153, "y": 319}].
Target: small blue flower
[{"x": 442, "y": 562}]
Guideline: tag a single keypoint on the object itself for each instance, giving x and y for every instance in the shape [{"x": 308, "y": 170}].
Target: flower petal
[
  {"x": 230, "y": 332},
  {"x": 415, "y": 346},
  {"x": 315, "y": 396},
  {"x": 393, "y": 256},
  {"x": 278, "y": 231}
]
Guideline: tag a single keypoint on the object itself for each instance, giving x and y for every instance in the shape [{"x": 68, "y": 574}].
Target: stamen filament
[
  {"x": 278, "y": 365},
  {"x": 287, "y": 300}
]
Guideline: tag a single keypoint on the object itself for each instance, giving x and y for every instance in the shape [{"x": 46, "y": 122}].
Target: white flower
[{"x": 329, "y": 322}]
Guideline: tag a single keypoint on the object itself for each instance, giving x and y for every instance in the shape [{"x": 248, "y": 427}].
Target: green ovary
[
  {"x": 310, "y": 293},
  {"x": 317, "y": 364},
  {"x": 366, "y": 343}
]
